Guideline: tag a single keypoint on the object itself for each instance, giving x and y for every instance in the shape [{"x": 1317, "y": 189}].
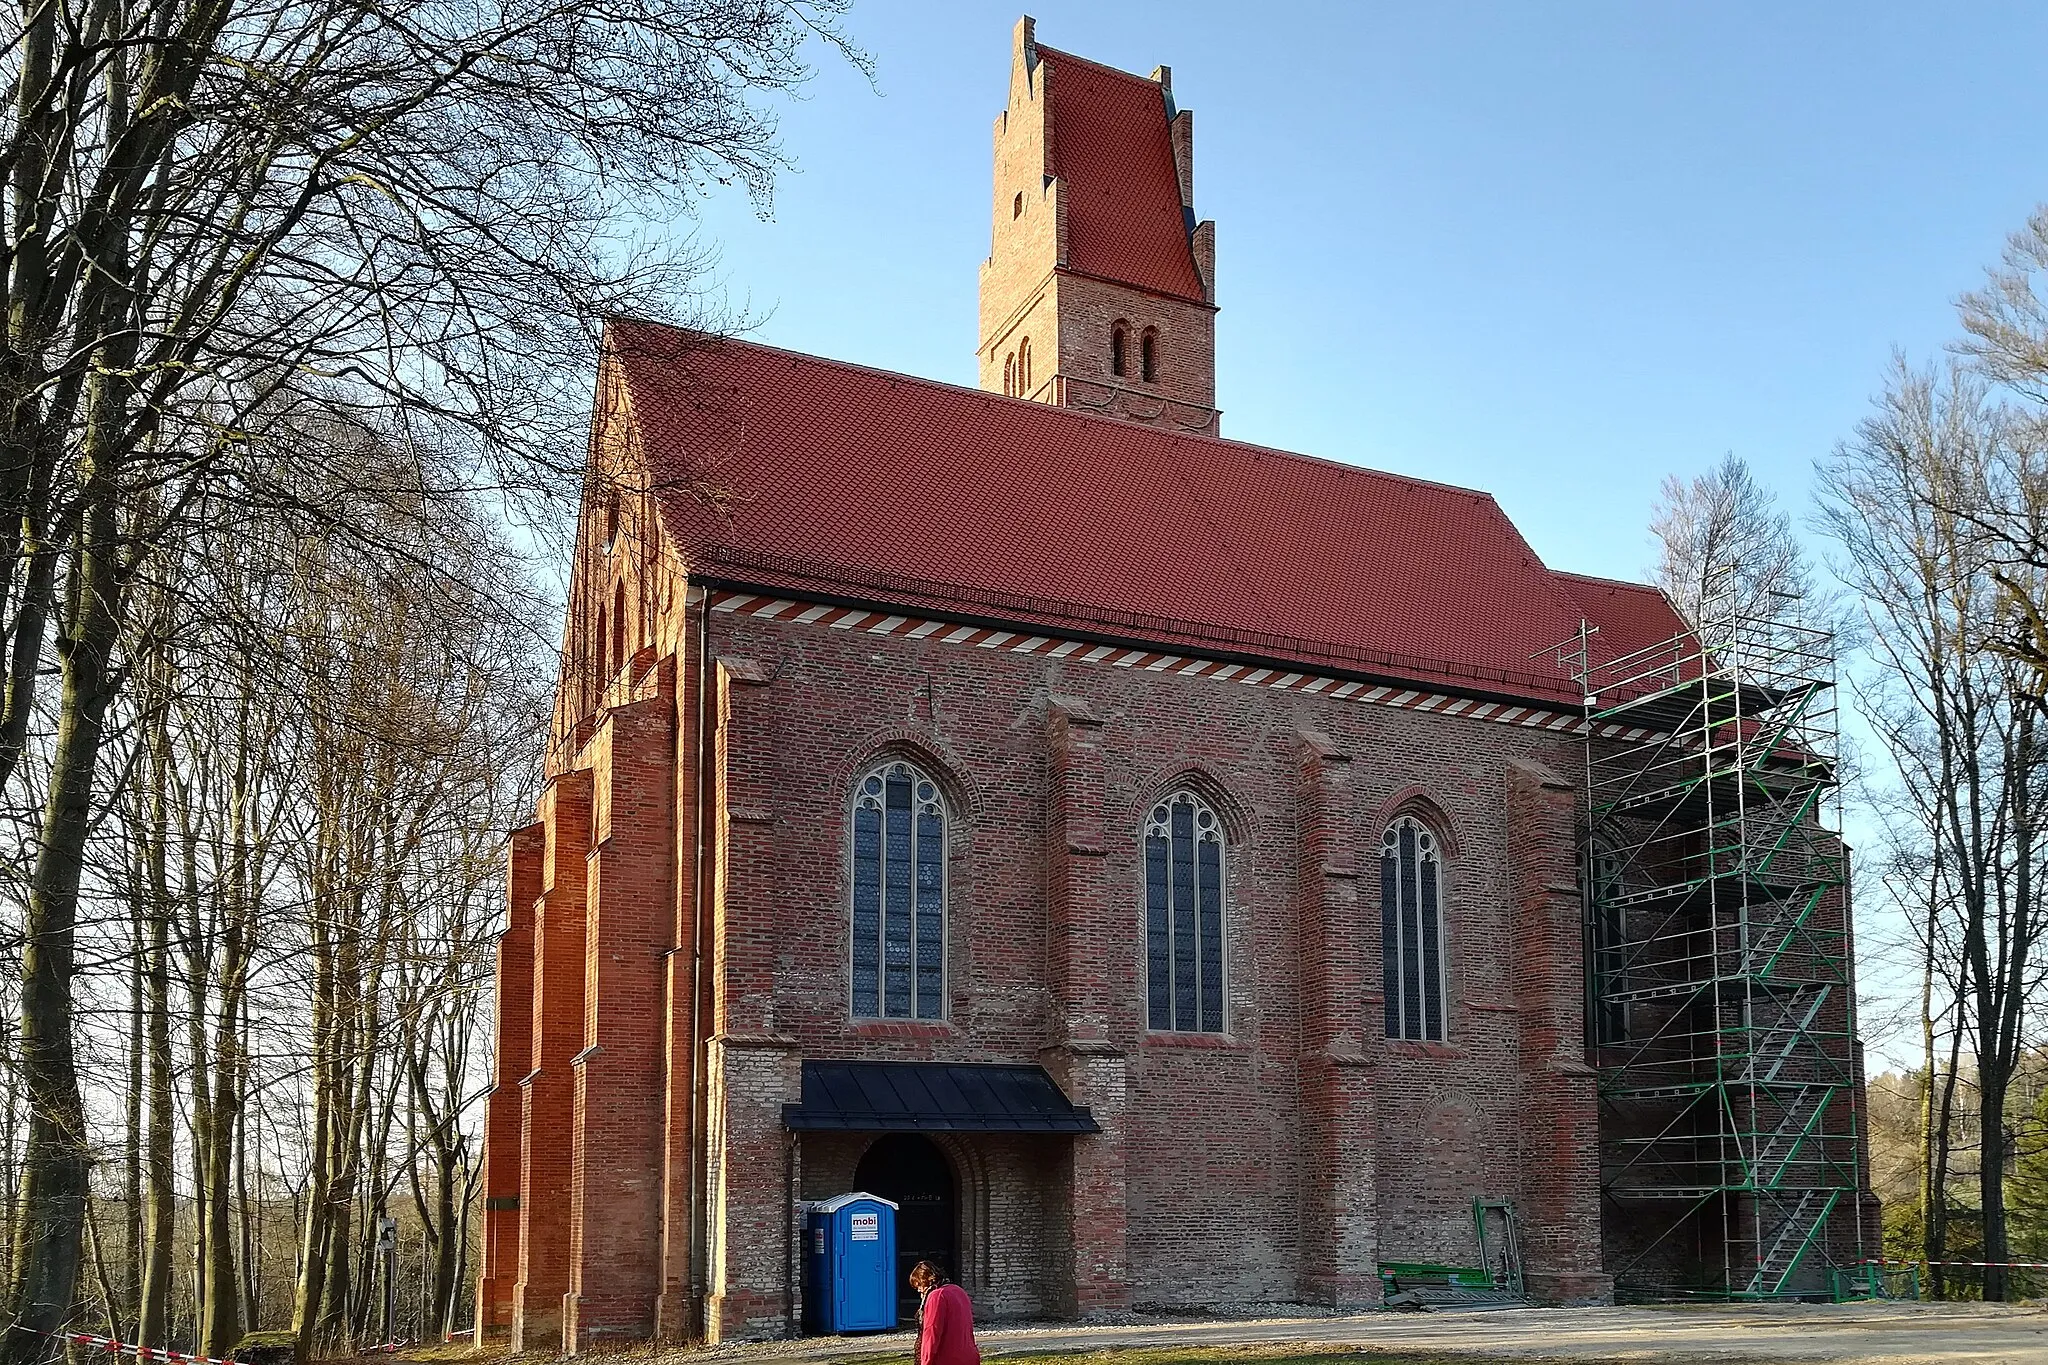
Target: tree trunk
[
  {"x": 51, "y": 1212},
  {"x": 153, "y": 1316},
  {"x": 131, "y": 1152}
]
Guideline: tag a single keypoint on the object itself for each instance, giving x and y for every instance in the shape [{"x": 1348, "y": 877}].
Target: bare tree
[
  {"x": 225, "y": 215},
  {"x": 1727, "y": 549},
  {"x": 1952, "y": 712}
]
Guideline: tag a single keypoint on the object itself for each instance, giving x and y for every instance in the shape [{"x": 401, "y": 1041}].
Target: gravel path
[{"x": 1865, "y": 1334}]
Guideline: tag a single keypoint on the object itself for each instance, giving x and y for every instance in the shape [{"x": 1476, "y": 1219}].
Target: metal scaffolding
[{"x": 1720, "y": 1010}]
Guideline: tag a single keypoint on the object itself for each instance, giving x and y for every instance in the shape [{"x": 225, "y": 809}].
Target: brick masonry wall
[
  {"x": 1213, "y": 1139},
  {"x": 547, "y": 1122},
  {"x": 513, "y": 1034}
]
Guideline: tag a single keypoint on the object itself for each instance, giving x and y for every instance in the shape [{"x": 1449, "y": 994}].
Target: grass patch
[{"x": 1270, "y": 1353}]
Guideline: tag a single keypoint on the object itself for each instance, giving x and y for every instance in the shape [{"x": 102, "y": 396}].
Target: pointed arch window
[
  {"x": 1184, "y": 870},
  {"x": 1010, "y": 375},
  {"x": 1605, "y": 885},
  {"x": 1148, "y": 356},
  {"x": 899, "y": 894},
  {"x": 1119, "y": 341},
  {"x": 618, "y": 628},
  {"x": 1412, "y": 930},
  {"x": 1024, "y": 368}
]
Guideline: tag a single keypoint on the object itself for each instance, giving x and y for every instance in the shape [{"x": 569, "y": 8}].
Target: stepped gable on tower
[
  {"x": 1099, "y": 290},
  {"x": 859, "y": 484}
]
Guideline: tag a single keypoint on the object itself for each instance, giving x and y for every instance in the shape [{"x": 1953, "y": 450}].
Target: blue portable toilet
[{"x": 850, "y": 1264}]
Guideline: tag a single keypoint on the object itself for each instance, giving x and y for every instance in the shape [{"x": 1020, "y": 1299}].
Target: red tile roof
[
  {"x": 817, "y": 477},
  {"x": 1109, "y": 144},
  {"x": 1631, "y": 616}
]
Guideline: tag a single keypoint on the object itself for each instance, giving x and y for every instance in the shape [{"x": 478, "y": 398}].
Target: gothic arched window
[
  {"x": 1148, "y": 356},
  {"x": 1183, "y": 916},
  {"x": 619, "y": 650},
  {"x": 1010, "y": 375},
  {"x": 1412, "y": 930},
  {"x": 1606, "y": 884},
  {"x": 1024, "y": 368},
  {"x": 1119, "y": 338},
  {"x": 899, "y": 894}
]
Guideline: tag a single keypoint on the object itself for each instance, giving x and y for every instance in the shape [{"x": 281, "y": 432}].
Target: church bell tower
[{"x": 1099, "y": 291}]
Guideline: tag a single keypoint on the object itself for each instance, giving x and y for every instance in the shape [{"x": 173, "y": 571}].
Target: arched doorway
[{"x": 910, "y": 1171}]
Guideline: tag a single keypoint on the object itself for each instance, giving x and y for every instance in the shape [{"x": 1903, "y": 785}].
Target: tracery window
[
  {"x": 1412, "y": 930},
  {"x": 1605, "y": 885},
  {"x": 1119, "y": 337},
  {"x": 899, "y": 894},
  {"x": 1183, "y": 916}
]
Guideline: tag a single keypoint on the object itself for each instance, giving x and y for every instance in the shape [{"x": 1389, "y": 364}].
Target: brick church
[{"x": 1148, "y": 858}]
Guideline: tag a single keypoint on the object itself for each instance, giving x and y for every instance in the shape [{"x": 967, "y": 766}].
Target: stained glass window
[
  {"x": 1412, "y": 931},
  {"x": 1183, "y": 916},
  {"x": 899, "y": 895},
  {"x": 1605, "y": 887}
]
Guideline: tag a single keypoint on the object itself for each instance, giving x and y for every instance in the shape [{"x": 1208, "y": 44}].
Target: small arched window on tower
[
  {"x": 1017, "y": 205},
  {"x": 1148, "y": 355},
  {"x": 1412, "y": 930},
  {"x": 1183, "y": 917},
  {"x": 1024, "y": 368},
  {"x": 1010, "y": 375},
  {"x": 603, "y": 650},
  {"x": 1119, "y": 339}
]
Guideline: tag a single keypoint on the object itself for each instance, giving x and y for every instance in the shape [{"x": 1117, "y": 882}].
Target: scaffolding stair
[
  {"x": 1797, "y": 1232},
  {"x": 1708, "y": 826},
  {"x": 1776, "y": 1044},
  {"x": 1803, "y": 1108}
]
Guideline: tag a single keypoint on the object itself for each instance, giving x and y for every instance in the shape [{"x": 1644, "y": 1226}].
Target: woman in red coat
[{"x": 945, "y": 1325}]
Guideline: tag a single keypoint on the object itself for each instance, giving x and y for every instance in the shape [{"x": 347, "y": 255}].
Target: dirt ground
[{"x": 1853, "y": 1334}]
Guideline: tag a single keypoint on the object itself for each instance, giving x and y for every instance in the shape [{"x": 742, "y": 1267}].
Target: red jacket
[{"x": 946, "y": 1328}]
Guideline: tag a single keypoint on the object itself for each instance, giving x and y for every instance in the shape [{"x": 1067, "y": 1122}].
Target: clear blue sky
[{"x": 1554, "y": 251}]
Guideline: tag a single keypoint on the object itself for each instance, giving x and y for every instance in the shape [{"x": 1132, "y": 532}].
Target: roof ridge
[
  {"x": 1603, "y": 578},
  {"x": 1060, "y": 54},
  {"x": 1071, "y": 414}
]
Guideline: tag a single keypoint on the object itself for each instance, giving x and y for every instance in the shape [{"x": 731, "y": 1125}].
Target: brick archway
[{"x": 910, "y": 1171}]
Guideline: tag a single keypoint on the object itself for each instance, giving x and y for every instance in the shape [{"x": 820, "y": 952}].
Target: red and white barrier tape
[
  {"x": 174, "y": 1357},
  {"x": 1979, "y": 1265},
  {"x": 127, "y": 1347}
]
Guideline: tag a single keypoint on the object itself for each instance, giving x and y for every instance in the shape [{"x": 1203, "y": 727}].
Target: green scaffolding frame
[{"x": 1720, "y": 994}]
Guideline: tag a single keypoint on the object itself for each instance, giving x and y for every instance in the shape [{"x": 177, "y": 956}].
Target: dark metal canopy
[{"x": 894, "y": 1097}]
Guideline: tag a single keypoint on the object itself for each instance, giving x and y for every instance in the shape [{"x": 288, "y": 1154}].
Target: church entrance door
[{"x": 911, "y": 1172}]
